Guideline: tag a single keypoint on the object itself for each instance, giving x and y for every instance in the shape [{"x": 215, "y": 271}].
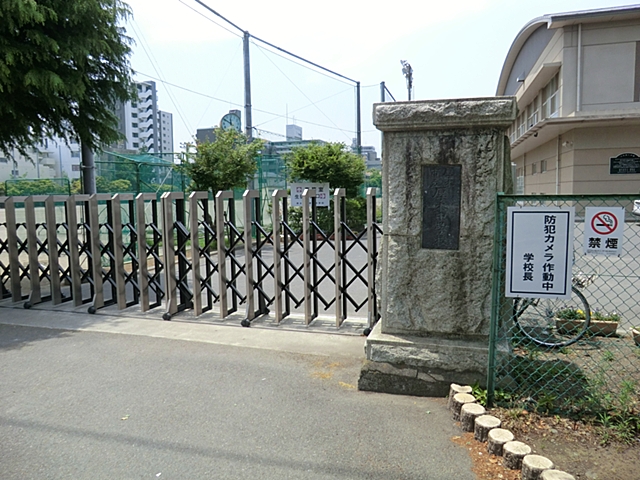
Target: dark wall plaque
[
  {"x": 624, "y": 163},
  {"x": 441, "y": 189}
]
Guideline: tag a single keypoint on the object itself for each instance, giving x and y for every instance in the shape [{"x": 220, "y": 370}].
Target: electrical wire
[
  {"x": 272, "y": 45},
  {"x": 158, "y": 71},
  {"x": 311, "y": 104},
  {"x": 220, "y": 84},
  {"x": 302, "y": 64},
  {"x": 304, "y": 94},
  {"x": 211, "y": 20},
  {"x": 306, "y": 122}
]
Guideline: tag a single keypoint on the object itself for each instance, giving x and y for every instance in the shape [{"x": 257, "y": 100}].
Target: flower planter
[
  {"x": 600, "y": 328},
  {"x": 635, "y": 333}
]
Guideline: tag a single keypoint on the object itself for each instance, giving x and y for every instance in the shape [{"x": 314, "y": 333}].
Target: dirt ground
[{"x": 574, "y": 447}]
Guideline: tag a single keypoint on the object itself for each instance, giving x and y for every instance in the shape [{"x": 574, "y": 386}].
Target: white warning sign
[{"x": 603, "y": 230}]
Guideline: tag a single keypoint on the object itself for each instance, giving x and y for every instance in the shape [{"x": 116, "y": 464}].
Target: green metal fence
[{"x": 543, "y": 352}]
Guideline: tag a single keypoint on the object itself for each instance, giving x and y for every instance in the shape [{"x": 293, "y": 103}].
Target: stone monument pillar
[{"x": 443, "y": 163}]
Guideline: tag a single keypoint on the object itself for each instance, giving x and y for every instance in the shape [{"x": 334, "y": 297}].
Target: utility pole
[
  {"x": 88, "y": 169},
  {"x": 408, "y": 73},
  {"x": 358, "y": 121},
  {"x": 248, "y": 124}
]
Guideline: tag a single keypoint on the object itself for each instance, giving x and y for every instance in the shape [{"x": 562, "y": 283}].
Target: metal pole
[
  {"x": 248, "y": 126},
  {"x": 88, "y": 170},
  {"x": 382, "y": 96},
  {"x": 358, "y": 120}
]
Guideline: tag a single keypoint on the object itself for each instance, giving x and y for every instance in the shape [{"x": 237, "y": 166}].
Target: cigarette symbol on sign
[{"x": 604, "y": 223}]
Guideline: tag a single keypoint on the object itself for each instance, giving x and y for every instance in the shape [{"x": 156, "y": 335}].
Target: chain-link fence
[{"x": 575, "y": 355}]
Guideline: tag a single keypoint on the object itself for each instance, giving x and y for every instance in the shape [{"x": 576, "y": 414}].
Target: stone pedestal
[{"x": 443, "y": 163}]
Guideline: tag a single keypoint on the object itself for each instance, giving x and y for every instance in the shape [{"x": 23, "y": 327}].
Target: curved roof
[{"x": 559, "y": 20}]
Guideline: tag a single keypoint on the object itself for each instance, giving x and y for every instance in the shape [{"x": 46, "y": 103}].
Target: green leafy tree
[
  {"x": 327, "y": 163},
  {"x": 225, "y": 163},
  {"x": 63, "y": 66},
  {"x": 374, "y": 179},
  {"x": 330, "y": 163}
]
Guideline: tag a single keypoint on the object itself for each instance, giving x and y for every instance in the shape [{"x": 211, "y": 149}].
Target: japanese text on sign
[
  {"x": 322, "y": 193},
  {"x": 539, "y": 252},
  {"x": 603, "y": 230}
]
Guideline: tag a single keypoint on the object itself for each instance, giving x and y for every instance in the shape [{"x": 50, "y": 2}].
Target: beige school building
[{"x": 576, "y": 78}]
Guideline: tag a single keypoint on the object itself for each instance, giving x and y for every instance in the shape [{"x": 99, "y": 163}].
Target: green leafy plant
[
  {"x": 599, "y": 316},
  {"x": 570, "y": 314}
]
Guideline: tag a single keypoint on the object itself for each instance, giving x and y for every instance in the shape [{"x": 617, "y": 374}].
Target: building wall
[
  {"x": 584, "y": 162},
  {"x": 165, "y": 132},
  {"x": 52, "y": 158},
  {"x": 593, "y": 149},
  {"x": 609, "y": 66},
  {"x": 608, "y": 87}
]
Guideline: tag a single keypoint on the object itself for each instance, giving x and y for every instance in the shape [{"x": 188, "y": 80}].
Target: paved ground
[{"x": 101, "y": 396}]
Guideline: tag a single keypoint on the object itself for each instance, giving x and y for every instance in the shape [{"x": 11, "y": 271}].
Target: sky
[{"x": 456, "y": 49}]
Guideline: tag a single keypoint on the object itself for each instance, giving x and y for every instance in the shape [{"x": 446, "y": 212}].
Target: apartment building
[{"x": 144, "y": 127}]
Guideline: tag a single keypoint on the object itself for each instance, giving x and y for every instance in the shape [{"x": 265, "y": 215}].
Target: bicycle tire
[{"x": 535, "y": 319}]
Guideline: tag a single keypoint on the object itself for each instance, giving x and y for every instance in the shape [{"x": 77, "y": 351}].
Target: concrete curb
[{"x": 518, "y": 455}]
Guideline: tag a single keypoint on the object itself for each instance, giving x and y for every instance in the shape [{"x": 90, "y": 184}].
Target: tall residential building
[
  {"x": 576, "y": 78},
  {"x": 143, "y": 125}
]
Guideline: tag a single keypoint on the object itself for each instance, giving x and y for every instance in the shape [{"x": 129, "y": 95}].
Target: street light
[{"x": 408, "y": 73}]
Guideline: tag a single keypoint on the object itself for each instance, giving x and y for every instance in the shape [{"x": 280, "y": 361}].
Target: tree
[
  {"x": 327, "y": 163},
  {"x": 63, "y": 66},
  {"x": 225, "y": 163},
  {"x": 330, "y": 163},
  {"x": 374, "y": 179}
]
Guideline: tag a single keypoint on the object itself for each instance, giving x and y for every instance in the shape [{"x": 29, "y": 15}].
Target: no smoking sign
[{"x": 603, "y": 230}]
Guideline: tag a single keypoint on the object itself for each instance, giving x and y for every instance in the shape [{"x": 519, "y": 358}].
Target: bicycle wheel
[{"x": 536, "y": 319}]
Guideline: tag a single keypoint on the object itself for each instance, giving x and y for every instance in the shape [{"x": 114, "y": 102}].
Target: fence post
[
  {"x": 496, "y": 289},
  {"x": 247, "y": 204},
  {"x": 74, "y": 253},
  {"x": 118, "y": 247},
  {"x": 194, "y": 198},
  {"x": 338, "y": 234},
  {"x": 12, "y": 241},
  {"x": 371, "y": 257},
  {"x": 52, "y": 242},
  {"x": 96, "y": 253},
  {"x": 277, "y": 251},
  {"x": 35, "y": 294},
  {"x": 169, "y": 255},
  {"x": 141, "y": 229},
  {"x": 309, "y": 311},
  {"x": 222, "y": 259}
]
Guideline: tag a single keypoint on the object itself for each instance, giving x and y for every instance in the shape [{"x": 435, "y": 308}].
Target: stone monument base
[{"x": 422, "y": 366}]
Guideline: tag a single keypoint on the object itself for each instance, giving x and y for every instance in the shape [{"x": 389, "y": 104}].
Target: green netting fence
[
  {"x": 157, "y": 173},
  {"x": 543, "y": 352}
]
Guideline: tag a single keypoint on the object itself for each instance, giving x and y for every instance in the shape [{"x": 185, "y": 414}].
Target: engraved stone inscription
[{"x": 441, "y": 188}]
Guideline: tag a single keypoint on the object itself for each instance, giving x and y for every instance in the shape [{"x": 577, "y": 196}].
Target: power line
[
  {"x": 217, "y": 14},
  {"x": 211, "y": 20},
  {"x": 158, "y": 71},
  {"x": 301, "y": 64},
  {"x": 275, "y": 46},
  {"x": 237, "y": 104},
  {"x": 220, "y": 84},
  {"x": 298, "y": 88}
]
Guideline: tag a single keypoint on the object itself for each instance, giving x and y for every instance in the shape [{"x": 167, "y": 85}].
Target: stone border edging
[{"x": 536, "y": 467}]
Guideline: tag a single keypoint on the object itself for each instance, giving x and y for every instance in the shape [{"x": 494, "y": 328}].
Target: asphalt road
[{"x": 85, "y": 404}]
